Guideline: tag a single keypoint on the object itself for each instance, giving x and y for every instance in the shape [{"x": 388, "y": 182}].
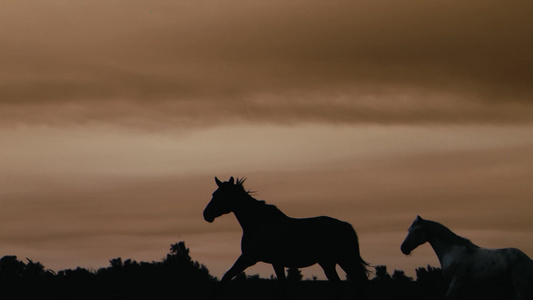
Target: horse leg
[
  {"x": 520, "y": 293},
  {"x": 333, "y": 277},
  {"x": 239, "y": 266},
  {"x": 280, "y": 274},
  {"x": 357, "y": 276},
  {"x": 453, "y": 289},
  {"x": 523, "y": 289},
  {"x": 523, "y": 283}
]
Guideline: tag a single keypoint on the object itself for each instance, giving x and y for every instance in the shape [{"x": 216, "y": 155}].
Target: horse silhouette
[
  {"x": 464, "y": 262},
  {"x": 272, "y": 237}
]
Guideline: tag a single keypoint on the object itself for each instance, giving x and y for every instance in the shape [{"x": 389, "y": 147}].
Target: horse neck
[
  {"x": 251, "y": 212},
  {"x": 440, "y": 247},
  {"x": 441, "y": 241}
]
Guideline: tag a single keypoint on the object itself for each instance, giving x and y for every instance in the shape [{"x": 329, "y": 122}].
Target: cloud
[{"x": 191, "y": 64}]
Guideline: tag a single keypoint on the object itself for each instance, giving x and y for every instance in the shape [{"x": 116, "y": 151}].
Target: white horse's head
[{"x": 416, "y": 236}]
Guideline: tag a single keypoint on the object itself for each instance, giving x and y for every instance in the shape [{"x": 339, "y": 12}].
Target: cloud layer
[{"x": 203, "y": 64}]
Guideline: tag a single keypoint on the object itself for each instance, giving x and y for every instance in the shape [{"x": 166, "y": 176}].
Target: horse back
[
  {"x": 498, "y": 264},
  {"x": 312, "y": 237},
  {"x": 323, "y": 229}
]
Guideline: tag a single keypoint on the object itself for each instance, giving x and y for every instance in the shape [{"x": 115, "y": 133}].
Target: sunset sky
[{"x": 115, "y": 117}]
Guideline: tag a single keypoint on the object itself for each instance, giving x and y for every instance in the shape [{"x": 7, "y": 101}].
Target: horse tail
[
  {"x": 361, "y": 273},
  {"x": 364, "y": 265}
]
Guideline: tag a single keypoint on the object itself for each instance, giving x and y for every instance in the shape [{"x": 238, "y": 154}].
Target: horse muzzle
[
  {"x": 405, "y": 250},
  {"x": 208, "y": 217}
]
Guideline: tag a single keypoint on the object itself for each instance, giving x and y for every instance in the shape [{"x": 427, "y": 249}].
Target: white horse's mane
[{"x": 448, "y": 235}]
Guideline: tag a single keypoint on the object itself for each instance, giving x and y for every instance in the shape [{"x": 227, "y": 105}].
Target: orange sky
[{"x": 116, "y": 115}]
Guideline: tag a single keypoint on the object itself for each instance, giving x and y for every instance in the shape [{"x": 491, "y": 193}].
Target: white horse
[{"x": 464, "y": 262}]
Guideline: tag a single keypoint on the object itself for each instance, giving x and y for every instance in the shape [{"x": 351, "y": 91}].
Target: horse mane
[
  {"x": 240, "y": 183},
  {"x": 444, "y": 232},
  {"x": 265, "y": 207}
]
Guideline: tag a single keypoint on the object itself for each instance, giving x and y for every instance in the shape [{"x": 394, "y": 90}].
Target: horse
[
  {"x": 466, "y": 263},
  {"x": 272, "y": 237}
]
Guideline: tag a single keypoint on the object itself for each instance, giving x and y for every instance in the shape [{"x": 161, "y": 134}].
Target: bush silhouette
[
  {"x": 11, "y": 268},
  {"x": 429, "y": 276},
  {"x": 177, "y": 275},
  {"x": 294, "y": 274},
  {"x": 399, "y": 275},
  {"x": 381, "y": 273}
]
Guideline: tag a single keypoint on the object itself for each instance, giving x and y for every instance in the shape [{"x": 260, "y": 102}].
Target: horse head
[
  {"x": 224, "y": 198},
  {"x": 416, "y": 236}
]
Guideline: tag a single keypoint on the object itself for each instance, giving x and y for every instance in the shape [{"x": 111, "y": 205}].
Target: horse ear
[
  {"x": 231, "y": 180},
  {"x": 219, "y": 183},
  {"x": 418, "y": 218}
]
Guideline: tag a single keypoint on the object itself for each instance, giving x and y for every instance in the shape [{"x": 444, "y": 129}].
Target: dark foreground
[
  {"x": 177, "y": 276},
  {"x": 249, "y": 289},
  {"x": 389, "y": 290}
]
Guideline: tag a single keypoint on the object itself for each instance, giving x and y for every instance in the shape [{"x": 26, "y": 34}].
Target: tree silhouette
[
  {"x": 34, "y": 270},
  {"x": 432, "y": 279},
  {"x": 294, "y": 274},
  {"x": 429, "y": 275},
  {"x": 180, "y": 251},
  {"x": 10, "y": 267},
  {"x": 399, "y": 275},
  {"x": 116, "y": 263},
  {"x": 381, "y": 273},
  {"x": 179, "y": 264}
]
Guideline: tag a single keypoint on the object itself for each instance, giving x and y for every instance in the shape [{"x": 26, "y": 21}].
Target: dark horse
[{"x": 272, "y": 237}]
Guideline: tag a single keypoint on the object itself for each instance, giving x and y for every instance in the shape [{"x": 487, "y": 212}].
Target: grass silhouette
[{"x": 179, "y": 276}]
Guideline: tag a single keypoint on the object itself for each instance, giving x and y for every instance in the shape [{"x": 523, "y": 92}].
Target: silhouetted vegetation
[
  {"x": 294, "y": 274},
  {"x": 175, "y": 274},
  {"x": 178, "y": 276}
]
